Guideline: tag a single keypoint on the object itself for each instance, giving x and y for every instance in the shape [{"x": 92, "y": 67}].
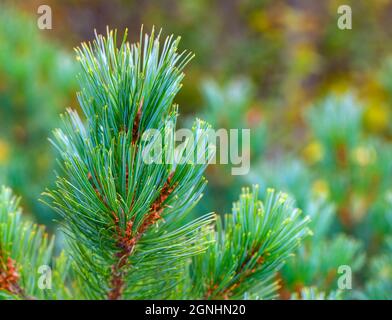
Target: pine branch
[
  {"x": 127, "y": 243},
  {"x": 9, "y": 277},
  {"x": 250, "y": 246},
  {"x": 123, "y": 217},
  {"x": 10, "y": 215},
  {"x": 24, "y": 248}
]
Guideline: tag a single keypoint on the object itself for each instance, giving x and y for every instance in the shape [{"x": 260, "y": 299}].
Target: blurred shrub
[
  {"x": 356, "y": 167},
  {"x": 36, "y": 82},
  {"x": 231, "y": 105}
]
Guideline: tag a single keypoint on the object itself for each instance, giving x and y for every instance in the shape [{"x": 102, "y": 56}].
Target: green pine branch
[
  {"x": 249, "y": 247},
  {"x": 124, "y": 219},
  {"x": 24, "y": 249}
]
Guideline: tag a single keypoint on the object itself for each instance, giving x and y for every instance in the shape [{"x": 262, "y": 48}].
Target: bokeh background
[{"x": 318, "y": 101}]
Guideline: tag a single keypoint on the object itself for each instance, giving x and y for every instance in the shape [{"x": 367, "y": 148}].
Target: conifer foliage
[
  {"x": 249, "y": 246},
  {"x": 122, "y": 216},
  {"x": 125, "y": 220},
  {"x": 26, "y": 251}
]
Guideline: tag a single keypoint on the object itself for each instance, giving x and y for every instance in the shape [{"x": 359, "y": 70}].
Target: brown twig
[
  {"x": 136, "y": 123},
  {"x": 9, "y": 277},
  {"x": 127, "y": 240}
]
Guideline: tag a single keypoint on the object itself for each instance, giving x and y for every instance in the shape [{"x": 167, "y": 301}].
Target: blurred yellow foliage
[
  {"x": 377, "y": 117},
  {"x": 321, "y": 188},
  {"x": 267, "y": 22},
  {"x": 313, "y": 152},
  {"x": 306, "y": 59},
  {"x": 4, "y": 152},
  {"x": 364, "y": 155},
  {"x": 338, "y": 86},
  {"x": 258, "y": 21}
]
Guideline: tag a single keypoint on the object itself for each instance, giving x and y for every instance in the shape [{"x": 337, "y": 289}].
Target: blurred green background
[{"x": 318, "y": 101}]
